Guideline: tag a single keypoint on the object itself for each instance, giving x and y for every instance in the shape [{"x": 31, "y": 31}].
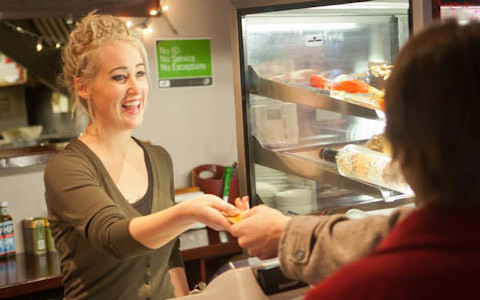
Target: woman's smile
[{"x": 132, "y": 106}]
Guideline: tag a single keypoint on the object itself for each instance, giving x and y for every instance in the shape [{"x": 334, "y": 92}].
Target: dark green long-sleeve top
[{"x": 89, "y": 220}]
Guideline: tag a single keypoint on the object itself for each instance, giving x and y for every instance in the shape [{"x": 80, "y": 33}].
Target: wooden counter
[{"x": 26, "y": 274}]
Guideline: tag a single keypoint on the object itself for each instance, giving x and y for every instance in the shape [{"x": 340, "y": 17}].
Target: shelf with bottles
[{"x": 341, "y": 97}]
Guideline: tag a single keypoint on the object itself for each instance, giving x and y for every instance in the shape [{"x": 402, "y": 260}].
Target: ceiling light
[
  {"x": 300, "y": 26},
  {"x": 165, "y": 8},
  {"x": 129, "y": 24},
  {"x": 69, "y": 19},
  {"x": 153, "y": 12},
  {"x": 39, "y": 46},
  {"x": 367, "y": 5}
]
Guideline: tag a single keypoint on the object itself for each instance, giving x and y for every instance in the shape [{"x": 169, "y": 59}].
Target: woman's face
[{"x": 118, "y": 91}]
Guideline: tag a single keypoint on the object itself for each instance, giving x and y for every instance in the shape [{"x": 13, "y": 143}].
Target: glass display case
[{"x": 313, "y": 78}]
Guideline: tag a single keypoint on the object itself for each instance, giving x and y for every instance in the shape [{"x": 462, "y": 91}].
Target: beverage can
[
  {"x": 49, "y": 237},
  {"x": 34, "y": 236}
]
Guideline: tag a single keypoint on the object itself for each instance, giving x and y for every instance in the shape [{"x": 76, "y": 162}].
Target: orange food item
[
  {"x": 237, "y": 218},
  {"x": 352, "y": 86},
  {"x": 318, "y": 81},
  {"x": 381, "y": 103}
]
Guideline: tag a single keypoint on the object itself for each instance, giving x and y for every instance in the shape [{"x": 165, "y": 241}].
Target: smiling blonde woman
[{"x": 110, "y": 196}]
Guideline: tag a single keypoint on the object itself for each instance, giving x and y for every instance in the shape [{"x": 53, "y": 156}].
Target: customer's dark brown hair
[{"x": 433, "y": 113}]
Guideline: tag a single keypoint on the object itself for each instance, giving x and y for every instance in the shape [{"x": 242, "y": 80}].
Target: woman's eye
[
  {"x": 140, "y": 74},
  {"x": 119, "y": 77}
]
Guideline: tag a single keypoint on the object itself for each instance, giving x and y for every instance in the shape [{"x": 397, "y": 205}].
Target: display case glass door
[{"x": 314, "y": 78}]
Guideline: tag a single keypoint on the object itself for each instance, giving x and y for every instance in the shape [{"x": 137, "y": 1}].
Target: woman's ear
[{"x": 81, "y": 88}]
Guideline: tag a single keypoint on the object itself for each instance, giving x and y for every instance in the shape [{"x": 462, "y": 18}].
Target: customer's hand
[
  {"x": 209, "y": 210},
  {"x": 260, "y": 231}
]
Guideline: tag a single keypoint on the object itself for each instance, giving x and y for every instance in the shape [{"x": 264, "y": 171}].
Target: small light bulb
[
  {"x": 19, "y": 29},
  {"x": 69, "y": 20},
  {"x": 153, "y": 12},
  {"x": 165, "y": 8},
  {"x": 57, "y": 45},
  {"x": 148, "y": 29},
  {"x": 39, "y": 46},
  {"x": 129, "y": 24}
]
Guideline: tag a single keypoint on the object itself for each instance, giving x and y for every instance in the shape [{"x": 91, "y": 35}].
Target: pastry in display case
[{"x": 313, "y": 79}]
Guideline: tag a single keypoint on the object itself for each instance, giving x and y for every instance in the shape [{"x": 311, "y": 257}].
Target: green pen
[{"x": 227, "y": 174}]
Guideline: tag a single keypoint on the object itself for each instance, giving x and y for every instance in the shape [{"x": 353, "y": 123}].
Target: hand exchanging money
[
  {"x": 259, "y": 229},
  {"x": 243, "y": 205}
]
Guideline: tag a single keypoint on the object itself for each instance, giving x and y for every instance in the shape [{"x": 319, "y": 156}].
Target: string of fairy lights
[
  {"x": 144, "y": 25},
  {"x": 42, "y": 40},
  {"x": 39, "y": 46}
]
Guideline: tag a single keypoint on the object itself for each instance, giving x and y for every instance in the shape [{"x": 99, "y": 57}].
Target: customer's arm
[{"x": 312, "y": 247}]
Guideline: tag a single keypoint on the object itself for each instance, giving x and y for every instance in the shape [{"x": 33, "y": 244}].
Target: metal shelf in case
[
  {"x": 307, "y": 164},
  {"x": 307, "y": 96}
]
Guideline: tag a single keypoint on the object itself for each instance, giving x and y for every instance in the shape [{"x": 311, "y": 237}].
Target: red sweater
[{"x": 432, "y": 254}]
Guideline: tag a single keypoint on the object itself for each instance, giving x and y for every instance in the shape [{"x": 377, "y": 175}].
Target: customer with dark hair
[{"x": 433, "y": 123}]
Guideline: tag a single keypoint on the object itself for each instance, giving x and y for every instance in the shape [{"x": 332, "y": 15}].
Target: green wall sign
[{"x": 184, "y": 62}]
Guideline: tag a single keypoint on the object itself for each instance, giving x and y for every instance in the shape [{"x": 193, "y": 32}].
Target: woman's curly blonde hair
[{"x": 80, "y": 53}]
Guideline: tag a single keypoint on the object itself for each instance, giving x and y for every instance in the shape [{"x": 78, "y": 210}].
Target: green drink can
[{"x": 34, "y": 236}]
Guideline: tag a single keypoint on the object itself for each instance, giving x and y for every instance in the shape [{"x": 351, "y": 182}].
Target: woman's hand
[
  {"x": 260, "y": 231},
  {"x": 209, "y": 210},
  {"x": 242, "y": 203},
  {"x": 157, "y": 229}
]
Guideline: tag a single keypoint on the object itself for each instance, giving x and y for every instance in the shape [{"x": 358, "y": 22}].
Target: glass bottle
[
  {"x": 370, "y": 166},
  {"x": 6, "y": 223}
]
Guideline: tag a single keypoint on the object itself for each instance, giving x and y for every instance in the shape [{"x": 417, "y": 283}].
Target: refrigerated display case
[{"x": 312, "y": 77}]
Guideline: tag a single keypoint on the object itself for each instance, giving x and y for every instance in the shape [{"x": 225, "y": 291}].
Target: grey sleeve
[
  {"x": 313, "y": 247},
  {"x": 74, "y": 195}
]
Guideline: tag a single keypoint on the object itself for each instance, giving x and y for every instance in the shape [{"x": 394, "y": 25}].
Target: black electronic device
[{"x": 272, "y": 281}]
